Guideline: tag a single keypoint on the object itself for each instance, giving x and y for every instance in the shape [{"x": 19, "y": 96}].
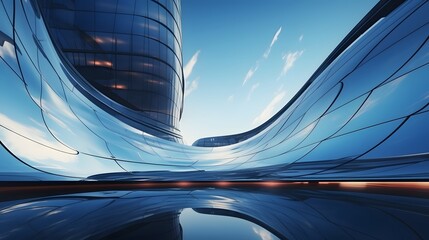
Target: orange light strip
[
  {"x": 101, "y": 63},
  {"x": 100, "y": 186}
]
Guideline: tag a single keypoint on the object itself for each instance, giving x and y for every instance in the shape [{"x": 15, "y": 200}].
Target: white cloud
[
  {"x": 301, "y": 37},
  {"x": 191, "y": 86},
  {"x": 250, "y": 73},
  {"x": 254, "y": 87},
  {"x": 231, "y": 98},
  {"x": 262, "y": 233},
  {"x": 187, "y": 70},
  {"x": 275, "y": 38},
  {"x": 252, "y": 70},
  {"x": 289, "y": 60},
  {"x": 269, "y": 109}
]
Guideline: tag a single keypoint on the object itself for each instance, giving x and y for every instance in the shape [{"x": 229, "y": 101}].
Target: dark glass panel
[
  {"x": 126, "y": 6},
  {"x": 141, "y": 7},
  {"x": 123, "y": 23},
  {"x": 106, "y": 5},
  {"x": 86, "y": 5},
  {"x": 412, "y": 138},
  {"x": 153, "y": 10}
]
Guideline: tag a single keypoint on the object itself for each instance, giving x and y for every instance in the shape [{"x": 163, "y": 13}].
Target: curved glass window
[{"x": 128, "y": 50}]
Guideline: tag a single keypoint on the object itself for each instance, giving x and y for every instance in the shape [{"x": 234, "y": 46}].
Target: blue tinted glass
[
  {"x": 153, "y": 10},
  {"x": 319, "y": 107},
  {"x": 141, "y": 7},
  {"x": 130, "y": 166},
  {"x": 31, "y": 76},
  {"x": 87, "y": 5},
  {"x": 8, "y": 7},
  {"x": 333, "y": 121},
  {"x": 354, "y": 54},
  {"x": 344, "y": 147},
  {"x": 411, "y": 138},
  {"x": 280, "y": 159},
  {"x": 123, "y": 42},
  {"x": 5, "y": 24},
  {"x": 410, "y": 24},
  {"x": 140, "y": 25},
  {"x": 8, "y": 61},
  {"x": 283, "y": 133},
  {"x": 126, "y": 6},
  {"x": 64, "y": 124},
  {"x": 421, "y": 58},
  {"x": 85, "y": 21},
  {"x": 293, "y": 141},
  {"x": 123, "y": 23},
  {"x": 373, "y": 73},
  {"x": 386, "y": 97},
  {"x": 106, "y": 5},
  {"x": 104, "y": 22}
]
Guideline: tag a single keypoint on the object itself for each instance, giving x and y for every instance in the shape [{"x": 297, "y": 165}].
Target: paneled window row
[
  {"x": 140, "y": 82},
  {"x": 157, "y": 12},
  {"x": 156, "y": 50},
  {"x": 140, "y": 45},
  {"x": 147, "y": 27},
  {"x": 139, "y": 65},
  {"x": 125, "y": 43},
  {"x": 119, "y": 23},
  {"x": 171, "y": 6},
  {"x": 124, "y": 63},
  {"x": 103, "y": 17},
  {"x": 146, "y": 100},
  {"x": 98, "y": 69},
  {"x": 149, "y": 108}
]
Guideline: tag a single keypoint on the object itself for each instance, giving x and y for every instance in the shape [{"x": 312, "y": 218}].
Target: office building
[
  {"x": 129, "y": 51},
  {"x": 363, "y": 115}
]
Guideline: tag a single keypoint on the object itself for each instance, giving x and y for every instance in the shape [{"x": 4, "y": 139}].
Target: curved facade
[
  {"x": 364, "y": 116},
  {"x": 376, "y": 14},
  {"x": 130, "y": 51}
]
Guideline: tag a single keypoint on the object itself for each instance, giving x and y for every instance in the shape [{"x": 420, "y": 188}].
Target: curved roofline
[{"x": 380, "y": 10}]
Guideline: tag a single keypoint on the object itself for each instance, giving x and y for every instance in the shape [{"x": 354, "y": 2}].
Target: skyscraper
[{"x": 130, "y": 51}]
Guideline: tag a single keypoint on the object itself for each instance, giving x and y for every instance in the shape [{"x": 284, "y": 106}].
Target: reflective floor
[{"x": 215, "y": 210}]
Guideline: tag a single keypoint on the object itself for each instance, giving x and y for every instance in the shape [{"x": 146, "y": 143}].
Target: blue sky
[{"x": 245, "y": 59}]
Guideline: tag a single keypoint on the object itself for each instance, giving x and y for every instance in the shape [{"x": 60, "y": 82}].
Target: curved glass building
[
  {"x": 130, "y": 51},
  {"x": 363, "y": 115}
]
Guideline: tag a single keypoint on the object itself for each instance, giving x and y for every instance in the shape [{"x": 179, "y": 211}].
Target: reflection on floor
[{"x": 227, "y": 210}]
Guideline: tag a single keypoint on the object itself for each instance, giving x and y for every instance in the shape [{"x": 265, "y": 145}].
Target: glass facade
[
  {"x": 128, "y": 50},
  {"x": 363, "y": 115}
]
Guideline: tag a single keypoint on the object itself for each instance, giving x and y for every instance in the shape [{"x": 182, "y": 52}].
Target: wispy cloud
[
  {"x": 231, "y": 98},
  {"x": 252, "y": 70},
  {"x": 252, "y": 90},
  {"x": 187, "y": 70},
  {"x": 191, "y": 86},
  {"x": 250, "y": 73},
  {"x": 275, "y": 38},
  {"x": 301, "y": 37},
  {"x": 269, "y": 109},
  {"x": 289, "y": 60}
]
